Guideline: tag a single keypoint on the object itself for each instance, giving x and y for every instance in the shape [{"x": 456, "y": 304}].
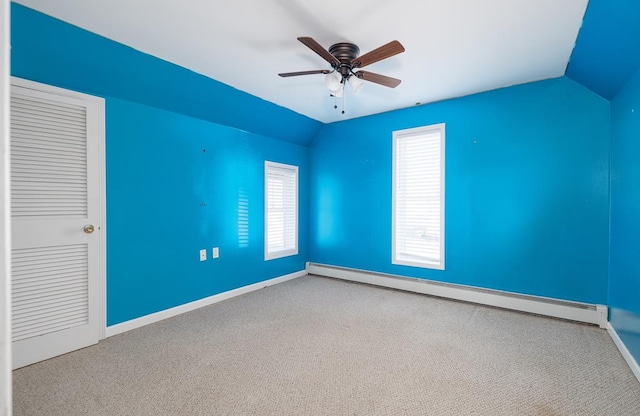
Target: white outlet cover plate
[{"x": 203, "y": 254}]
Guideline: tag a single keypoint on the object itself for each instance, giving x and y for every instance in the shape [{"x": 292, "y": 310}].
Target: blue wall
[
  {"x": 624, "y": 273},
  {"x": 606, "y": 52},
  {"x": 176, "y": 184},
  {"x": 526, "y": 191},
  {"x": 167, "y": 198}
]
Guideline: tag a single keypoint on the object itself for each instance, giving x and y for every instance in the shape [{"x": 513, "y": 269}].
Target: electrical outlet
[
  {"x": 203, "y": 254},
  {"x": 215, "y": 253}
]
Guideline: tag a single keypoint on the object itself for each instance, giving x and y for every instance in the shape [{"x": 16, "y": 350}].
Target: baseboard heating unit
[{"x": 574, "y": 311}]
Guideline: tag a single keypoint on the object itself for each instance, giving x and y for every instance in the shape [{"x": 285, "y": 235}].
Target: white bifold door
[{"x": 57, "y": 192}]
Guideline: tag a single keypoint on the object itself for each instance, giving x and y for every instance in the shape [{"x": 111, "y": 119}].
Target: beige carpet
[{"x": 317, "y": 346}]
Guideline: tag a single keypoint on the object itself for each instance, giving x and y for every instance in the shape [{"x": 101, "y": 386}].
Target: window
[
  {"x": 418, "y": 197},
  {"x": 280, "y": 210}
]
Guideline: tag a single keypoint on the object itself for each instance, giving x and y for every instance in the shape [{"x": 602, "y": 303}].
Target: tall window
[
  {"x": 281, "y": 210},
  {"x": 418, "y": 197}
]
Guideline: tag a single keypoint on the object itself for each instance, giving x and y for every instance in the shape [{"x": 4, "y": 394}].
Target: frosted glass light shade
[
  {"x": 356, "y": 84},
  {"x": 333, "y": 81}
]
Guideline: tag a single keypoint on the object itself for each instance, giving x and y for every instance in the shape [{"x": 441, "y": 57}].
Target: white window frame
[
  {"x": 276, "y": 254},
  {"x": 416, "y": 261}
]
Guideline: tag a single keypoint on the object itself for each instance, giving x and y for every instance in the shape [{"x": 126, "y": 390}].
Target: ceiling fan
[{"x": 345, "y": 62}]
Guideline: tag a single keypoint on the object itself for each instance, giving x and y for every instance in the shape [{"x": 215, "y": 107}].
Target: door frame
[
  {"x": 5, "y": 214},
  {"x": 102, "y": 206}
]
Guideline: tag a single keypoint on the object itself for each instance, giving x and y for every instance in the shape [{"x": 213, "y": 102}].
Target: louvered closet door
[{"x": 55, "y": 193}]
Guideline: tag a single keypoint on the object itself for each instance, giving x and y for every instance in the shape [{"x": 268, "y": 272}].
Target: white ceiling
[{"x": 453, "y": 47}]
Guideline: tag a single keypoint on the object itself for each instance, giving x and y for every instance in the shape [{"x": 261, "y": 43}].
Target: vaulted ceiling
[{"x": 453, "y": 48}]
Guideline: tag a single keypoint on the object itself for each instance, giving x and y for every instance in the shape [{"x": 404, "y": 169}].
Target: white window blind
[
  {"x": 281, "y": 210},
  {"x": 418, "y": 197}
]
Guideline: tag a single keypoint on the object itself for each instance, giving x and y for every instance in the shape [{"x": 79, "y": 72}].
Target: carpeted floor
[{"x": 318, "y": 346}]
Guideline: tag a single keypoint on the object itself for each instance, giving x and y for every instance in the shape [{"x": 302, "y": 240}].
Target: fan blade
[
  {"x": 317, "y": 48},
  {"x": 385, "y": 51},
  {"x": 295, "y": 74},
  {"x": 378, "y": 79}
]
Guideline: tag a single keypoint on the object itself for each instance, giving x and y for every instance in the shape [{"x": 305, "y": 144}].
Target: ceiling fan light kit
[{"x": 344, "y": 60}]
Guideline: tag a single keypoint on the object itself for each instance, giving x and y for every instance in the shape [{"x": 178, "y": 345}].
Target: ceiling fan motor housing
[{"x": 345, "y": 52}]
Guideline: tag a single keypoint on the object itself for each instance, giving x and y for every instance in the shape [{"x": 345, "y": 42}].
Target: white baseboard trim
[
  {"x": 188, "y": 307},
  {"x": 574, "y": 311},
  {"x": 626, "y": 354}
]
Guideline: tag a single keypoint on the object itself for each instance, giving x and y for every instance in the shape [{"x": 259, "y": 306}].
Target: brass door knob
[{"x": 89, "y": 229}]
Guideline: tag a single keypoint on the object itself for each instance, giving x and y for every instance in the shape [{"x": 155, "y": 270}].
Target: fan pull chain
[{"x": 335, "y": 98}]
